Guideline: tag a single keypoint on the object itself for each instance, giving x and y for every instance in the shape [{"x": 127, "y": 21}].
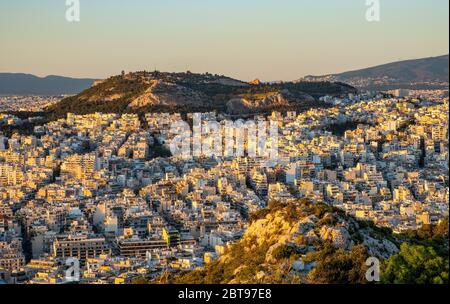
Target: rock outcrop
[
  {"x": 253, "y": 103},
  {"x": 164, "y": 93},
  {"x": 282, "y": 245}
]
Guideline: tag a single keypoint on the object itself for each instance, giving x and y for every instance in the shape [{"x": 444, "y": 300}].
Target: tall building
[{"x": 172, "y": 237}]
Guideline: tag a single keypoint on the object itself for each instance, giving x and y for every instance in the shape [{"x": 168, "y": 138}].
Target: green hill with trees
[{"x": 186, "y": 92}]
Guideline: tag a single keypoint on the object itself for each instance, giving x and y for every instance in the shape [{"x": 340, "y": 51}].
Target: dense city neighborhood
[{"x": 103, "y": 190}]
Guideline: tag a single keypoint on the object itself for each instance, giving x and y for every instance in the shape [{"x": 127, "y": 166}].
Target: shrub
[{"x": 415, "y": 265}]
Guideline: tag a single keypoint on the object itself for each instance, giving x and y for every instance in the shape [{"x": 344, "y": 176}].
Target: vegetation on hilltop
[
  {"x": 416, "y": 265},
  {"x": 98, "y": 98},
  {"x": 185, "y": 92},
  {"x": 338, "y": 266},
  {"x": 434, "y": 236},
  {"x": 423, "y": 257}
]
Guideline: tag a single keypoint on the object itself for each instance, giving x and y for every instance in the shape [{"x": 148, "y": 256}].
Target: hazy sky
[{"x": 247, "y": 39}]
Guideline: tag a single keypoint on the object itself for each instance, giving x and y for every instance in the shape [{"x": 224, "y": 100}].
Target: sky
[{"x": 245, "y": 39}]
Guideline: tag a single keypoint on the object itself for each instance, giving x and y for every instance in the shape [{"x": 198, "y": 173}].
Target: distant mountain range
[
  {"x": 26, "y": 84},
  {"x": 426, "y": 73}
]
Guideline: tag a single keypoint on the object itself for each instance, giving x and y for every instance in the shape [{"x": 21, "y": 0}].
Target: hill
[
  {"x": 419, "y": 73},
  {"x": 188, "y": 92},
  {"x": 303, "y": 242},
  {"x": 26, "y": 84}
]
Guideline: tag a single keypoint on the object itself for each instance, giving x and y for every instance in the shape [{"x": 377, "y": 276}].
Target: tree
[
  {"x": 415, "y": 265},
  {"x": 337, "y": 266}
]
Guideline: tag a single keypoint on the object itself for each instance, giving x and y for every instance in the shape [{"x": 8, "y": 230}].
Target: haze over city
[{"x": 269, "y": 40}]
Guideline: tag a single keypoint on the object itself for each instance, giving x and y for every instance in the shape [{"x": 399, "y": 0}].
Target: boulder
[{"x": 340, "y": 237}]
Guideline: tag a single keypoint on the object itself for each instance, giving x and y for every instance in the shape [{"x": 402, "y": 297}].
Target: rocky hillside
[
  {"x": 300, "y": 242},
  {"x": 285, "y": 242},
  {"x": 145, "y": 91},
  {"x": 248, "y": 103}
]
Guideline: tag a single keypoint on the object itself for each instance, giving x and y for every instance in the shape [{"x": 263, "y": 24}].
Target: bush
[
  {"x": 415, "y": 265},
  {"x": 284, "y": 252},
  {"x": 337, "y": 266}
]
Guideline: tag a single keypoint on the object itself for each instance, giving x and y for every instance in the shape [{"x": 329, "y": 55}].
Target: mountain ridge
[
  {"x": 430, "y": 72},
  {"x": 422, "y": 73},
  {"x": 28, "y": 84}
]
